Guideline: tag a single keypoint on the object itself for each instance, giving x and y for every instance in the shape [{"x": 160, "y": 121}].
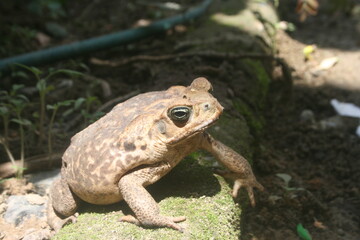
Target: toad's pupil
[{"x": 180, "y": 113}]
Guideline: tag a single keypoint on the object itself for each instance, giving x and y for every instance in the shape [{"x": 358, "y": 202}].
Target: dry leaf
[
  {"x": 306, "y": 7},
  {"x": 43, "y": 39},
  {"x": 142, "y": 23},
  {"x": 319, "y": 224}
]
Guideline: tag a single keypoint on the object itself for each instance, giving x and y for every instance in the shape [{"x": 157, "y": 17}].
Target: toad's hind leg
[
  {"x": 62, "y": 205},
  {"x": 144, "y": 206}
]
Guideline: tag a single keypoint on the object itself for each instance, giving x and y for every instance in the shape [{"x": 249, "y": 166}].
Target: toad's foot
[
  {"x": 159, "y": 221},
  {"x": 57, "y": 222},
  {"x": 248, "y": 183},
  {"x": 60, "y": 223}
]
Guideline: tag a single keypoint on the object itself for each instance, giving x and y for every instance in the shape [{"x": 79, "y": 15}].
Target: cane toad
[{"x": 134, "y": 145}]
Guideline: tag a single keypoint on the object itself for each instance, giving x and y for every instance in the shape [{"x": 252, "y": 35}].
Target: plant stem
[
  {"x": 8, "y": 152},
  {"x": 20, "y": 169},
  {"x": 6, "y": 129},
  {"x": 5, "y": 141},
  {"x": 50, "y": 135},
  {"x": 42, "y": 116}
]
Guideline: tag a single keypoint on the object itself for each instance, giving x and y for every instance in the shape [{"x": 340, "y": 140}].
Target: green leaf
[
  {"x": 50, "y": 88},
  {"x": 26, "y": 122},
  {"x": 3, "y": 93},
  {"x": 16, "y": 167},
  {"x": 78, "y": 102},
  {"x": 65, "y": 103},
  {"x": 23, "y": 122},
  {"x": 34, "y": 70},
  {"x": 84, "y": 66},
  {"x": 71, "y": 73},
  {"x": 294, "y": 189},
  {"x": 20, "y": 74},
  {"x": 4, "y": 111},
  {"x": 285, "y": 177},
  {"x": 303, "y": 232},
  {"x": 97, "y": 115},
  {"x": 18, "y": 103},
  {"x": 51, "y": 107},
  {"x": 68, "y": 112},
  {"x": 91, "y": 99},
  {"x": 35, "y": 115},
  {"x": 85, "y": 113},
  {"x": 41, "y": 85},
  {"x": 16, "y": 87},
  {"x": 59, "y": 104},
  {"x": 22, "y": 97}
]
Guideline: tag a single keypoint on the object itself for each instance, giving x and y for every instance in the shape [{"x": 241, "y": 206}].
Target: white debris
[
  {"x": 327, "y": 63},
  {"x": 347, "y": 110}
]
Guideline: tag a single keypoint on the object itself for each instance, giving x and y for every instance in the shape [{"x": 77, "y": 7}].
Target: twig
[
  {"x": 207, "y": 54},
  {"x": 36, "y": 163}
]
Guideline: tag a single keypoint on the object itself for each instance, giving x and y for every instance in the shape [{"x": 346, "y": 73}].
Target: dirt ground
[{"x": 323, "y": 162}]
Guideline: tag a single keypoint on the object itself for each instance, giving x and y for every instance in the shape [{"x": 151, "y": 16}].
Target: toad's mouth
[{"x": 196, "y": 130}]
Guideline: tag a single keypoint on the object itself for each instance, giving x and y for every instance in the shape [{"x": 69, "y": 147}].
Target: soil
[{"x": 323, "y": 162}]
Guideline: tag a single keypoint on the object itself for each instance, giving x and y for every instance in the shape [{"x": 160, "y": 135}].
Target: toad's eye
[{"x": 180, "y": 113}]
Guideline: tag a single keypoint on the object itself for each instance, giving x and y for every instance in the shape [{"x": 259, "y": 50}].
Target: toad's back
[{"x": 124, "y": 113}]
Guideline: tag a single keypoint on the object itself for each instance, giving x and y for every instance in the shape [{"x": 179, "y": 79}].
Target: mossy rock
[{"x": 189, "y": 190}]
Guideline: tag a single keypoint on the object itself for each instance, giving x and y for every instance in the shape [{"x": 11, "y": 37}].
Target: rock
[
  {"x": 33, "y": 234},
  {"x": 35, "y": 199},
  {"x": 19, "y": 208},
  {"x": 16, "y": 186},
  {"x": 307, "y": 116},
  {"x": 339, "y": 122},
  {"x": 334, "y": 122},
  {"x": 2, "y": 208},
  {"x": 189, "y": 190},
  {"x": 43, "y": 180}
]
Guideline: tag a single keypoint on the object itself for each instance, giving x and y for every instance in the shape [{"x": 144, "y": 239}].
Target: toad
[{"x": 136, "y": 144}]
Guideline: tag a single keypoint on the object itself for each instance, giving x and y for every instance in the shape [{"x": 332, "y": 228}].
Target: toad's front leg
[
  {"x": 240, "y": 169},
  {"x": 62, "y": 205},
  {"x": 147, "y": 212}
]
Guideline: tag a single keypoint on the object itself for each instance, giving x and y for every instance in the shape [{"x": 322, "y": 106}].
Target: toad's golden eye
[{"x": 180, "y": 113}]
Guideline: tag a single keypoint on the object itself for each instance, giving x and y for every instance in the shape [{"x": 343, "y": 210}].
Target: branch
[{"x": 205, "y": 54}]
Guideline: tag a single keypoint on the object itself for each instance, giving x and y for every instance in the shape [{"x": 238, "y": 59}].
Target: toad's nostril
[{"x": 206, "y": 106}]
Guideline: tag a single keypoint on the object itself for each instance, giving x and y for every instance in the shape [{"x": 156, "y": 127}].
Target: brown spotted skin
[{"x": 134, "y": 145}]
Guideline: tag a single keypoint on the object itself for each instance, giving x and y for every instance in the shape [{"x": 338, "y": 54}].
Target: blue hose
[{"x": 102, "y": 42}]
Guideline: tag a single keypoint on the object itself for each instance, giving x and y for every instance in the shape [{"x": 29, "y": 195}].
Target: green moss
[
  {"x": 256, "y": 95},
  {"x": 235, "y": 133},
  {"x": 257, "y": 69},
  {"x": 255, "y": 122}
]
